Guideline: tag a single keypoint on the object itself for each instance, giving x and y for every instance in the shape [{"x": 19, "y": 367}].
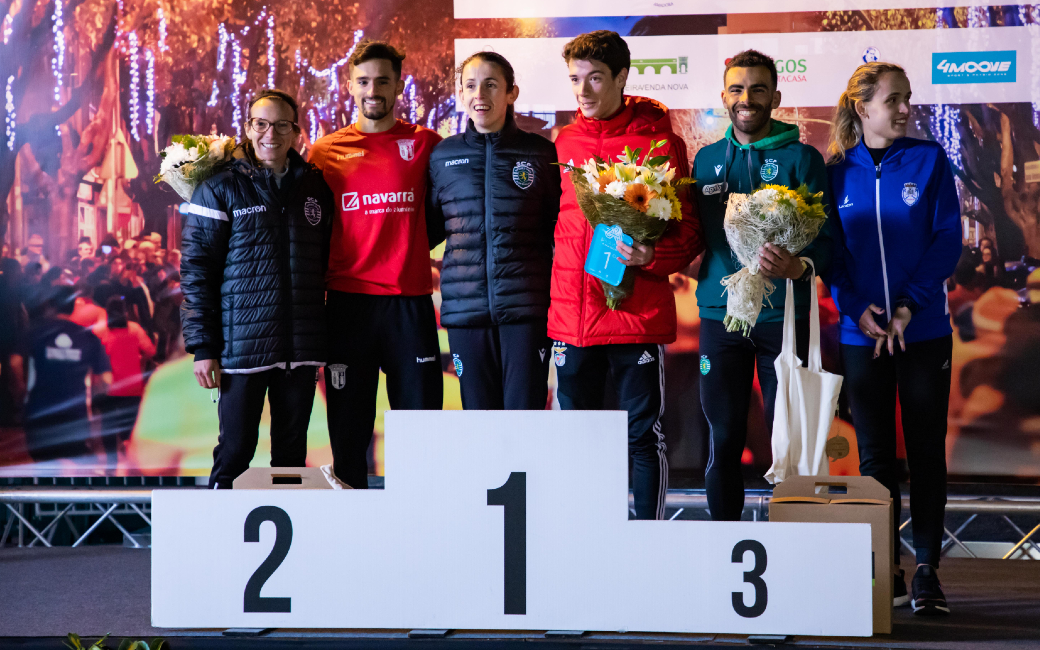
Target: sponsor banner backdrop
[
  {"x": 574, "y": 8},
  {"x": 947, "y": 66}
]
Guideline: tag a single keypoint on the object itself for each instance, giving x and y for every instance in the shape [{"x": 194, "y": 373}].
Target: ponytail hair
[
  {"x": 846, "y": 127},
  {"x": 497, "y": 60}
]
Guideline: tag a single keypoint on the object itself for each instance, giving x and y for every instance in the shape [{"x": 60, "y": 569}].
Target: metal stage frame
[{"x": 107, "y": 503}]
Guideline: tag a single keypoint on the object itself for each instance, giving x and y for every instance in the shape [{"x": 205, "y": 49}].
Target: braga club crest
[
  {"x": 769, "y": 170},
  {"x": 523, "y": 174},
  {"x": 407, "y": 149},
  {"x": 910, "y": 193}
]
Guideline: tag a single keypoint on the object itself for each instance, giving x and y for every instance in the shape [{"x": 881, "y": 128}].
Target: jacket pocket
[{"x": 231, "y": 327}]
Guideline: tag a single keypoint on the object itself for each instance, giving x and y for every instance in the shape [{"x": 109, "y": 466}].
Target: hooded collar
[
  {"x": 780, "y": 134},
  {"x": 860, "y": 156},
  {"x": 475, "y": 138},
  {"x": 243, "y": 160},
  {"x": 638, "y": 115}
]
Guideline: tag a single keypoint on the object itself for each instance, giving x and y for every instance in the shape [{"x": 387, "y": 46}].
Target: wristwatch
[{"x": 806, "y": 270}]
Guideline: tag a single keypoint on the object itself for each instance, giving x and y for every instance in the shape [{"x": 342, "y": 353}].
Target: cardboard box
[
  {"x": 845, "y": 499},
  {"x": 282, "y": 478}
]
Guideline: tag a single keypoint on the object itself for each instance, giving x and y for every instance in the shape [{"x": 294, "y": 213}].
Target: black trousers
[
  {"x": 502, "y": 367},
  {"x": 397, "y": 334},
  {"x": 637, "y": 370},
  {"x": 118, "y": 416},
  {"x": 728, "y": 364},
  {"x": 291, "y": 394},
  {"x": 921, "y": 376}
]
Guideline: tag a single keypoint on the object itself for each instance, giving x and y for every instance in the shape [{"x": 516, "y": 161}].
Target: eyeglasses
[{"x": 281, "y": 127}]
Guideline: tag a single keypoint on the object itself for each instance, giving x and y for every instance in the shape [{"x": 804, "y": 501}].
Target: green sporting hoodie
[{"x": 728, "y": 166}]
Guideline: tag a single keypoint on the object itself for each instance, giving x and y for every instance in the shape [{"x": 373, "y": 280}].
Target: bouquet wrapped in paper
[
  {"x": 192, "y": 159},
  {"x": 639, "y": 197},
  {"x": 773, "y": 214}
]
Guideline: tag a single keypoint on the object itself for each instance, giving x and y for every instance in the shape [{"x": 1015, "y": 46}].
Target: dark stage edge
[{"x": 46, "y": 593}]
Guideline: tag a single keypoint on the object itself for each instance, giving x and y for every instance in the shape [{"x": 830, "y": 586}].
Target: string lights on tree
[
  {"x": 149, "y": 108},
  {"x": 58, "y": 62},
  {"x": 163, "y": 47},
  {"x": 10, "y": 122},
  {"x": 135, "y": 72}
]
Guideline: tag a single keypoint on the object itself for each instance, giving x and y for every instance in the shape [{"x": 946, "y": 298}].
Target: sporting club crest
[
  {"x": 769, "y": 170},
  {"x": 523, "y": 174},
  {"x": 407, "y": 149},
  {"x": 910, "y": 193},
  {"x": 338, "y": 373},
  {"x": 312, "y": 211}
]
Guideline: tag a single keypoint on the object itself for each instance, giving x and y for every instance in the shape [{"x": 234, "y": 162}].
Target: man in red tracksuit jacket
[
  {"x": 379, "y": 305},
  {"x": 589, "y": 338}
]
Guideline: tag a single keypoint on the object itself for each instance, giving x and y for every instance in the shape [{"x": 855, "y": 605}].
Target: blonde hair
[{"x": 846, "y": 127}]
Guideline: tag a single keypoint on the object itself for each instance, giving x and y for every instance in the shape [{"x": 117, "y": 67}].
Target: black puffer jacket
[
  {"x": 253, "y": 259},
  {"x": 495, "y": 197}
]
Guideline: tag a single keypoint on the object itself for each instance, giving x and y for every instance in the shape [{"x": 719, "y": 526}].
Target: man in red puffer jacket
[{"x": 590, "y": 339}]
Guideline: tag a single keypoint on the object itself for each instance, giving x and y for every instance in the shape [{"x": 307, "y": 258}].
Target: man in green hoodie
[{"x": 757, "y": 150}]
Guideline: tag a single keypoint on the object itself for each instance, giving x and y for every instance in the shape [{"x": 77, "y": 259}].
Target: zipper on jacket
[
  {"x": 274, "y": 189},
  {"x": 488, "y": 264},
  {"x": 881, "y": 240}
]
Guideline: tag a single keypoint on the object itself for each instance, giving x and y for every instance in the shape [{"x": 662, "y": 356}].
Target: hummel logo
[
  {"x": 845, "y": 203},
  {"x": 718, "y": 169},
  {"x": 946, "y": 366},
  {"x": 425, "y": 359},
  {"x": 646, "y": 358}
]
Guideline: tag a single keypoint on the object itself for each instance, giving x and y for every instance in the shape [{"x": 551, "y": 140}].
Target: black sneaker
[
  {"x": 928, "y": 596},
  {"x": 899, "y": 595}
]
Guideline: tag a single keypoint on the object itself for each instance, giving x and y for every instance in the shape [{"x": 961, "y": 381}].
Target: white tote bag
[{"x": 806, "y": 400}]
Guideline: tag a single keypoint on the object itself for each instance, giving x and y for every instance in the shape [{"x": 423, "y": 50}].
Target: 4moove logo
[{"x": 973, "y": 67}]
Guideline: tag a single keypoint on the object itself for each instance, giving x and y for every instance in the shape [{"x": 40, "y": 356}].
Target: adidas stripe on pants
[{"x": 637, "y": 370}]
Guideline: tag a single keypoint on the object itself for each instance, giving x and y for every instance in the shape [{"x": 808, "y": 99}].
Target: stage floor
[{"x": 47, "y": 593}]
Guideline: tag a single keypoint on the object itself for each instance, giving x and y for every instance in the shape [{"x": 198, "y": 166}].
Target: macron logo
[
  {"x": 845, "y": 203},
  {"x": 457, "y": 161},
  {"x": 250, "y": 210}
]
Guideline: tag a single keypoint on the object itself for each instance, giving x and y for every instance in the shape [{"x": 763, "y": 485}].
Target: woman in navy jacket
[
  {"x": 897, "y": 240},
  {"x": 495, "y": 195}
]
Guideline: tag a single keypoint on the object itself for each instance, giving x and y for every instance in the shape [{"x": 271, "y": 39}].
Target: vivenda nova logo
[{"x": 973, "y": 67}]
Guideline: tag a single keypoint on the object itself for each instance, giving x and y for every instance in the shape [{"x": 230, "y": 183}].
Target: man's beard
[
  {"x": 758, "y": 123},
  {"x": 375, "y": 113}
]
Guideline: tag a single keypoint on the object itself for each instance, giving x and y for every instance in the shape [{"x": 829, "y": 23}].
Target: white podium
[{"x": 497, "y": 520}]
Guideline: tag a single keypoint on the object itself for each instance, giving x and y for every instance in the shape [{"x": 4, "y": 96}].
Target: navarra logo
[
  {"x": 350, "y": 201},
  {"x": 674, "y": 65},
  {"x": 974, "y": 67},
  {"x": 406, "y": 149},
  {"x": 523, "y": 174},
  {"x": 769, "y": 170},
  {"x": 910, "y": 193}
]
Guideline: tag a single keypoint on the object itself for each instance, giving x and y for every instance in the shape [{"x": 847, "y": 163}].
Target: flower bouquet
[
  {"x": 772, "y": 214},
  {"x": 639, "y": 197},
  {"x": 192, "y": 159}
]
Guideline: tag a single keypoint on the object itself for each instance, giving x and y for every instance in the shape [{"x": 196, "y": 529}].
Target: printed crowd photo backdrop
[{"x": 94, "y": 90}]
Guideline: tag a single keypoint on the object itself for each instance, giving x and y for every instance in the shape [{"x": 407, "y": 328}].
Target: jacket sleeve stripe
[{"x": 210, "y": 213}]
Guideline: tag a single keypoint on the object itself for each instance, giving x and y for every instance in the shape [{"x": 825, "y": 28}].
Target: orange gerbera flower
[
  {"x": 606, "y": 178},
  {"x": 638, "y": 196}
]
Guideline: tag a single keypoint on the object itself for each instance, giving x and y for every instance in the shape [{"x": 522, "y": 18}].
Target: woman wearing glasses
[{"x": 254, "y": 252}]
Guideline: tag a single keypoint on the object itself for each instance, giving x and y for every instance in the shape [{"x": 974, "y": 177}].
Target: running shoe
[{"x": 928, "y": 596}]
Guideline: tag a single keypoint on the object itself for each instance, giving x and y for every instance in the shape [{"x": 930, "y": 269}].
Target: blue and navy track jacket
[{"x": 897, "y": 237}]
